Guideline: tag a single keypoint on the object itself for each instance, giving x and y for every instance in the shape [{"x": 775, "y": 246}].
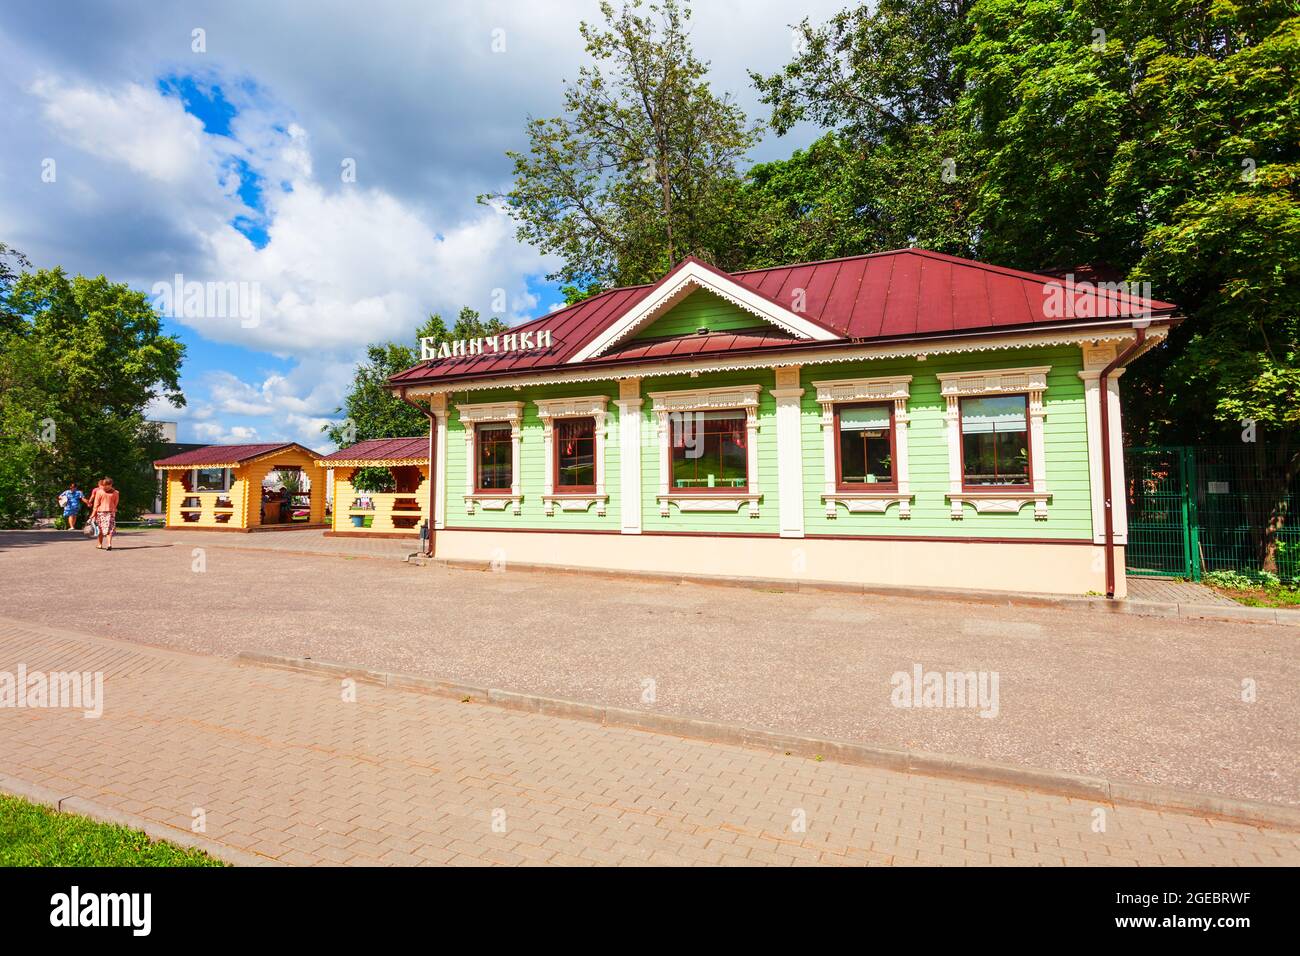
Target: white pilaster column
[
  {"x": 629, "y": 440},
  {"x": 516, "y": 434},
  {"x": 789, "y": 451},
  {"x": 953, "y": 416},
  {"x": 548, "y": 462},
  {"x": 470, "y": 466},
  {"x": 438, "y": 474},
  {"x": 1100, "y": 356},
  {"x": 1118, "y": 497},
  {"x": 902, "y": 465},
  {"x": 600, "y": 422},
  {"x": 1036, "y": 442}
]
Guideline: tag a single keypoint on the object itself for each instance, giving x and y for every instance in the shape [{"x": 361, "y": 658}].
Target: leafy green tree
[
  {"x": 1152, "y": 138},
  {"x": 897, "y": 170},
  {"x": 1157, "y": 136},
  {"x": 80, "y": 360},
  {"x": 369, "y": 409},
  {"x": 8, "y": 275},
  {"x": 642, "y": 170}
]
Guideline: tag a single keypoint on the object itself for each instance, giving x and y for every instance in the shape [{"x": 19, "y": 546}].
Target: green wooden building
[{"x": 904, "y": 418}]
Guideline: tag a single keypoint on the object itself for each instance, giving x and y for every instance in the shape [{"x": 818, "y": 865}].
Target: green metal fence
[{"x": 1194, "y": 509}]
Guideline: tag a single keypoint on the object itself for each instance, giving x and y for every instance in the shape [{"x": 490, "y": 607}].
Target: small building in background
[{"x": 260, "y": 487}]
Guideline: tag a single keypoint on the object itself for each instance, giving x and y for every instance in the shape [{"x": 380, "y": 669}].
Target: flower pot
[{"x": 358, "y": 521}]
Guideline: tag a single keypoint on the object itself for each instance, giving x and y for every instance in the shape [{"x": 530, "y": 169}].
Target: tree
[
  {"x": 641, "y": 171},
  {"x": 897, "y": 170},
  {"x": 370, "y": 410},
  {"x": 7, "y": 274},
  {"x": 80, "y": 361},
  {"x": 1159, "y": 137},
  {"x": 1152, "y": 138}
]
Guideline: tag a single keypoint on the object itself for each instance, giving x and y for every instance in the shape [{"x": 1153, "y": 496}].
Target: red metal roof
[
  {"x": 906, "y": 293},
  {"x": 225, "y": 454},
  {"x": 381, "y": 449}
]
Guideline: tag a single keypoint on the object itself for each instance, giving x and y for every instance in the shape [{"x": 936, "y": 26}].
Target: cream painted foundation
[{"x": 1036, "y": 568}]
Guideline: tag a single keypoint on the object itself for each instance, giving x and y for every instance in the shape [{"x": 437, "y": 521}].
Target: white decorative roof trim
[
  {"x": 690, "y": 277},
  {"x": 562, "y": 374}
]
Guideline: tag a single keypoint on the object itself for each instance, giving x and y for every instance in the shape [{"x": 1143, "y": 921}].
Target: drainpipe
[
  {"x": 433, "y": 492},
  {"x": 1108, "y": 483}
]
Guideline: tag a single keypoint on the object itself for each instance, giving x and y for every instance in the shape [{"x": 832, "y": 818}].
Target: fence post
[{"x": 1192, "y": 497}]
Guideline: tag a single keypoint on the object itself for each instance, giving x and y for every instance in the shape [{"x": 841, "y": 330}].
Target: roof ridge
[{"x": 1097, "y": 287}]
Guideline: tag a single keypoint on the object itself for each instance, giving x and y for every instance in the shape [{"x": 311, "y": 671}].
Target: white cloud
[
  {"x": 152, "y": 134},
  {"x": 144, "y": 193},
  {"x": 215, "y": 434}
]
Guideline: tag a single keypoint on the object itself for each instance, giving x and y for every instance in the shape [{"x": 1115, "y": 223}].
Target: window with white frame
[
  {"x": 864, "y": 441},
  {"x": 492, "y": 434},
  {"x": 573, "y": 438},
  {"x": 994, "y": 441},
  {"x": 996, "y": 454},
  {"x": 708, "y": 449}
]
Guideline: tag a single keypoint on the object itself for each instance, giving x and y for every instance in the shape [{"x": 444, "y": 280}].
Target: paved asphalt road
[
  {"x": 1155, "y": 700},
  {"x": 292, "y": 768}
]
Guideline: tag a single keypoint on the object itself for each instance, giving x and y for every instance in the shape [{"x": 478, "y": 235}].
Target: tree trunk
[{"x": 1278, "y": 513}]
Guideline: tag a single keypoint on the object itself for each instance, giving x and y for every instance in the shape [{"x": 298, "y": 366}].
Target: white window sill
[
  {"x": 1000, "y": 502},
  {"x": 577, "y": 501},
  {"x": 493, "y": 502},
  {"x": 869, "y": 502},
  {"x": 709, "y": 501}
]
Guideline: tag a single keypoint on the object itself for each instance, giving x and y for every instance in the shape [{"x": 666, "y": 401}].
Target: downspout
[
  {"x": 1108, "y": 482},
  {"x": 433, "y": 491}
]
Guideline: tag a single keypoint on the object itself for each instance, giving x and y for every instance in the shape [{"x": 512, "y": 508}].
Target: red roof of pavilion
[
  {"x": 382, "y": 449},
  {"x": 226, "y": 454}
]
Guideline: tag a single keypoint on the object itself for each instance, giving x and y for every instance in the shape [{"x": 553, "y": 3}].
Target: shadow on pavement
[{"x": 15, "y": 539}]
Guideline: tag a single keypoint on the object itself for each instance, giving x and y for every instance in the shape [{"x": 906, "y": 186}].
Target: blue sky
[{"x": 213, "y": 140}]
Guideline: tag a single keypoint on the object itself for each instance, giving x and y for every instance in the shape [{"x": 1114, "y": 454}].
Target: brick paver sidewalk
[
  {"x": 1167, "y": 591},
  {"x": 282, "y": 766}
]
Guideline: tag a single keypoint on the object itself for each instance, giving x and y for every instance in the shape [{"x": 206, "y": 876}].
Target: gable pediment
[{"x": 688, "y": 279}]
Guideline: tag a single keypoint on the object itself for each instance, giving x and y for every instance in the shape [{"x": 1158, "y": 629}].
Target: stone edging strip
[
  {"x": 1254, "y": 812},
  {"x": 1218, "y": 612},
  {"x": 45, "y": 796}
]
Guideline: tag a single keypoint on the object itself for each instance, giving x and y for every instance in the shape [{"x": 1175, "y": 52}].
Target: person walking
[
  {"x": 71, "y": 500},
  {"x": 103, "y": 511}
]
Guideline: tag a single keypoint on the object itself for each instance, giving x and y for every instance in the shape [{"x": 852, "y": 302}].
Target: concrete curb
[
  {"x": 80, "y": 806},
  {"x": 1079, "y": 786},
  {"x": 1218, "y": 612}
]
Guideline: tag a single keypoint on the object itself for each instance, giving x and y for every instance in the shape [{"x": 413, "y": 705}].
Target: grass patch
[
  {"x": 1254, "y": 588},
  {"x": 33, "y": 835}
]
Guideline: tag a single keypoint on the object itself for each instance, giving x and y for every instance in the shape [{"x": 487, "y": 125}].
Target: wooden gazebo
[
  {"x": 226, "y": 488},
  {"x": 396, "y": 511}
]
